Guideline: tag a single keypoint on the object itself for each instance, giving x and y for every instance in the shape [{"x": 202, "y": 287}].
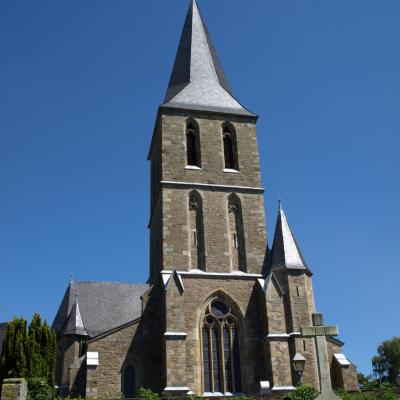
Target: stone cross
[{"x": 320, "y": 333}]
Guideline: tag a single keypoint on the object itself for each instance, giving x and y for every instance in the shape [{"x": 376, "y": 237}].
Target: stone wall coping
[
  {"x": 176, "y": 334},
  {"x": 282, "y": 388},
  {"x": 176, "y": 389},
  {"x": 282, "y": 335},
  {"x": 213, "y": 185}
]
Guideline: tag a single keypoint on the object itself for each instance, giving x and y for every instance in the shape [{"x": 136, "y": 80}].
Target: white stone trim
[
  {"x": 231, "y": 170},
  {"x": 176, "y": 389},
  {"x": 175, "y": 334},
  {"x": 211, "y": 185},
  {"x": 282, "y": 335},
  {"x": 92, "y": 358},
  {"x": 213, "y": 394},
  {"x": 198, "y": 272},
  {"x": 195, "y": 167},
  {"x": 281, "y": 388}
]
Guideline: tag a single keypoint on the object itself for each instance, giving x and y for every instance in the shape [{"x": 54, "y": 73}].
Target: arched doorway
[{"x": 129, "y": 382}]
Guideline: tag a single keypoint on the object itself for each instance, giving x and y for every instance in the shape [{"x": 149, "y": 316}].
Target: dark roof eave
[{"x": 210, "y": 109}]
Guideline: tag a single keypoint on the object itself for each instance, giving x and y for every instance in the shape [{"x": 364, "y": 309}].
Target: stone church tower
[{"x": 221, "y": 311}]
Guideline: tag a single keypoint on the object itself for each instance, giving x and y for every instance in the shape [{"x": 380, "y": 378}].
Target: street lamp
[
  {"x": 298, "y": 365},
  {"x": 398, "y": 379}
]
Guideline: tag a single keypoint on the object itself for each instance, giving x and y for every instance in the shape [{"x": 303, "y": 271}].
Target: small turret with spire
[{"x": 285, "y": 253}]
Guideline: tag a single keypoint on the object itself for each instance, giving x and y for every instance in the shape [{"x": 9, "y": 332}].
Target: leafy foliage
[
  {"x": 148, "y": 394},
  {"x": 386, "y": 364},
  {"x": 303, "y": 392},
  {"x": 29, "y": 352},
  {"x": 38, "y": 389},
  {"x": 384, "y": 392}
]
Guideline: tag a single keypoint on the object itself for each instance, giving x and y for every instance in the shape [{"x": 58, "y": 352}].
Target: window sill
[
  {"x": 233, "y": 171},
  {"x": 194, "y": 167}
]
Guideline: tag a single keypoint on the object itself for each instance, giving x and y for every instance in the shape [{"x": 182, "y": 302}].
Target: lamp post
[
  {"x": 298, "y": 365},
  {"x": 398, "y": 379}
]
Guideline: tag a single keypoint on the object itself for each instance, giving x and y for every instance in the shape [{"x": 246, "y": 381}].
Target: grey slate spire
[
  {"x": 285, "y": 251},
  {"x": 75, "y": 324},
  {"x": 198, "y": 80}
]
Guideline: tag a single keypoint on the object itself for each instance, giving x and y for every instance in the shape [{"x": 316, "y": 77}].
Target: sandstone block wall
[{"x": 240, "y": 294}]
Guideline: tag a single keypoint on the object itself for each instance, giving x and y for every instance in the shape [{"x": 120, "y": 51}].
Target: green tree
[
  {"x": 386, "y": 364},
  {"x": 13, "y": 359},
  {"x": 29, "y": 352}
]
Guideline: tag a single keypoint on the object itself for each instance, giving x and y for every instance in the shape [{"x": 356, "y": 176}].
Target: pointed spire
[
  {"x": 198, "y": 80},
  {"x": 285, "y": 251},
  {"x": 74, "y": 325}
]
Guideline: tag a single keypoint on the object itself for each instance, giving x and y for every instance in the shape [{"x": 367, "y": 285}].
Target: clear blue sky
[{"x": 80, "y": 83}]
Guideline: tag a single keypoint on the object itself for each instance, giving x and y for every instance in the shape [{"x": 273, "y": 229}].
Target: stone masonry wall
[
  {"x": 172, "y": 152},
  {"x": 115, "y": 351},
  {"x": 242, "y": 296},
  {"x": 173, "y": 133},
  {"x": 345, "y": 378},
  {"x": 215, "y": 214}
]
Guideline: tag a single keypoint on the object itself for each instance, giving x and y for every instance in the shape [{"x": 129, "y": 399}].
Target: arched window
[
  {"x": 230, "y": 150},
  {"x": 129, "y": 382},
  {"x": 196, "y": 231},
  {"x": 193, "y": 156},
  {"x": 221, "y": 356},
  {"x": 236, "y": 234}
]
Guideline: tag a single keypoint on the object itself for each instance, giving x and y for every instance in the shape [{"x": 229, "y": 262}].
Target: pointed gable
[
  {"x": 285, "y": 251},
  {"x": 198, "y": 80}
]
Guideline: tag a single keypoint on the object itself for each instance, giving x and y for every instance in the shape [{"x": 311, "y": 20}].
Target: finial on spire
[
  {"x": 71, "y": 278},
  {"x": 280, "y": 204}
]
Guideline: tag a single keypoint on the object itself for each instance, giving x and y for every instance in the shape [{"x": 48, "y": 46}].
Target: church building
[{"x": 222, "y": 313}]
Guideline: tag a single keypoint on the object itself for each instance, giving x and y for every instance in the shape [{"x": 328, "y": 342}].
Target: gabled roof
[
  {"x": 74, "y": 325},
  {"x": 102, "y": 305},
  {"x": 3, "y": 332},
  {"x": 198, "y": 80},
  {"x": 285, "y": 251}
]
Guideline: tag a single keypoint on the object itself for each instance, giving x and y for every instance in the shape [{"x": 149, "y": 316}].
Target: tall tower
[
  {"x": 207, "y": 224},
  {"x": 207, "y": 209}
]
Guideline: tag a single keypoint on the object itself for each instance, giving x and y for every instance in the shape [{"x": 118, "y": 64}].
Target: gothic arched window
[
  {"x": 236, "y": 234},
  {"x": 193, "y": 156},
  {"x": 129, "y": 382},
  {"x": 196, "y": 231},
  {"x": 221, "y": 354},
  {"x": 230, "y": 150}
]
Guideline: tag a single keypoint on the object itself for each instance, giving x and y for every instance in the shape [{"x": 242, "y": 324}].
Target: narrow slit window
[
  {"x": 228, "y": 151},
  {"x": 192, "y": 146}
]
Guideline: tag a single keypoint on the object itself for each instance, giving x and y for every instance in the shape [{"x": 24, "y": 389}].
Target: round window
[{"x": 219, "y": 309}]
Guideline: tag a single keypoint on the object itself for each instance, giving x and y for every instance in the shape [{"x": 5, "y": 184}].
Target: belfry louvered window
[
  {"x": 192, "y": 146},
  {"x": 221, "y": 358}
]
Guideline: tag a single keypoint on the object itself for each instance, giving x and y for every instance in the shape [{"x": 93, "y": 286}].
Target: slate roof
[
  {"x": 74, "y": 325},
  {"x": 285, "y": 251},
  {"x": 3, "y": 331},
  {"x": 102, "y": 305},
  {"x": 198, "y": 80}
]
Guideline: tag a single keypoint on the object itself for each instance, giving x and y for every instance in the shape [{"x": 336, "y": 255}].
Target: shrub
[
  {"x": 303, "y": 392},
  {"x": 384, "y": 392},
  {"x": 38, "y": 389},
  {"x": 148, "y": 394}
]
